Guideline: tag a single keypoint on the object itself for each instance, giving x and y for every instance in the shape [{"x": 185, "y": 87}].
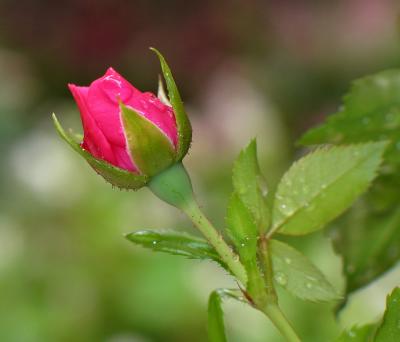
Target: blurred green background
[{"x": 269, "y": 69}]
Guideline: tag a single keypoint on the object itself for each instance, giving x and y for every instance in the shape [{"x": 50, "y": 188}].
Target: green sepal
[
  {"x": 150, "y": 148},
  {"x": 162, "y": 96},
  {"x": 182, "y": 121},
  {"x": 114, "y": 175}
]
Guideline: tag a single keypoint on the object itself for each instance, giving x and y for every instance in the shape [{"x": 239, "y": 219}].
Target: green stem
[
  {"x": 272, "y": 309},
  {"x": 268, "y": 271},
  {"x": 173, "y": 186},
  {"x": 275, "y": 314},
  {"x": 216, "y": 240}
]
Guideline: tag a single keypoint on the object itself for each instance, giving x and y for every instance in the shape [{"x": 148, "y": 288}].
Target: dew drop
[
  {"x": 144, "y": 104},
  {"x": 288, "y": 260},
  {"x": 283, "y": 206},
  {"x": 309, "y": 285},
  {"x": 351, "y": 333},
  {"x": 281, "y": 278},
  {"x": 154, "y": 242},
  {"x": 242, "y": 244}
]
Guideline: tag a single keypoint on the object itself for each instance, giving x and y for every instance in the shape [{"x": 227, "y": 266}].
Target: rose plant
[{"x": 135, "y": 139}]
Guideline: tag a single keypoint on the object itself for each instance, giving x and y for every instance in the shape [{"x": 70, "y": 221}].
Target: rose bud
[{"x": 130, "y": 136}]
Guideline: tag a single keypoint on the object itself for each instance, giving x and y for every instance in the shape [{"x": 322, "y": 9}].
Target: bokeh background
[{"x": 270, "y": 69}]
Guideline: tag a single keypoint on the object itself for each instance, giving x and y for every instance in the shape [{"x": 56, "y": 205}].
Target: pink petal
[
  {"x": 95, "y": 140},
  {"x": 157, "y": 112}
]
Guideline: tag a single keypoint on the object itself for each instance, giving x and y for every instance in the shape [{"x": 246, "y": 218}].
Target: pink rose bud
[{"x": 130, "y": 136}]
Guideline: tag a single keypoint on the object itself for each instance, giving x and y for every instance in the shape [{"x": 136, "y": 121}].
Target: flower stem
[
  {"x": 216, "y": 240},
  {"x": 173, "y": 186},
  {"x": 274, "y": 313},
  {"x": 272, "y": 309},
  {"x": 266, "y": 262}
]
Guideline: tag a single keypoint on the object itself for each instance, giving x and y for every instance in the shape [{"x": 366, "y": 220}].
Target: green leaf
[
  {"x": 241, "y": 228},
  {"x": 298, "y": 275},
  {"x": 182, "y": 120},
  {"x": 175, "y": 243},
  {"x": 150, "y": 148},
  {"x": 352, "y": 235},
  {"x": 216, "y": 328},
  {"x": 370, "y": 112},
  {"x": 250, "y": 185},
  {"x": 389, "y": 330},
  {"x": 363, "y": 333},
  {"x": 320, "y": 186},
  {"x": 114, "y": 175}
]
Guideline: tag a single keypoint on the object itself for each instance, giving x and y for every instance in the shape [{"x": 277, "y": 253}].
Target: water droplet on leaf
[
  {"x": 288, "y": 260},
  {"x": 351, "y": 333},
  {"x": 281, "y": 278}
]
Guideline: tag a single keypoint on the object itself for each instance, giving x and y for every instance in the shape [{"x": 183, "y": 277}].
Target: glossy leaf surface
[
  {"x": 251, "y": 186},
  {"x": 323, "y": 184},
  {"x": 297, "y": 274}
]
